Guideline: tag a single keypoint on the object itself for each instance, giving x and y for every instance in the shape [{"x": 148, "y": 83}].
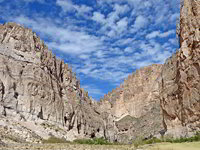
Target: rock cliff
[
  {"x": 134, "y": 107},
  {"x": 180, "y": 77},
  {"x": 35, "y": 87},
  {"x": 161, "y": 99}
]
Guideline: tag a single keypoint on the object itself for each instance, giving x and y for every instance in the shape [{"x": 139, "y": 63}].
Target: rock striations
[
  {"x": 162, "y": 99},
  {"x": 37, "y": 88},
  {"x": 41, "y": 97},
  {"x": 134, "y": 107},
  {"x": 180, "y": 77}
]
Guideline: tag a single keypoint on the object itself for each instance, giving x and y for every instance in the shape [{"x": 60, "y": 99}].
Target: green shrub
[
  {"x": 194, "y": 138},
  {"x": 54, "y": 139},
  {"x": 95, "y": 141},
  {"x": 137, "y": 143},
  {"x": 153, "y": 140}
]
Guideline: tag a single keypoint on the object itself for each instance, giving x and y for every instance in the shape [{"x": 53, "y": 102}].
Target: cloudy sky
[{"x": 102, "y": 40}]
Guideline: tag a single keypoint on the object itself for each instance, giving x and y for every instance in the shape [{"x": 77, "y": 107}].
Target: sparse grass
[
  {"x": 140, "y": 142},
  {"x": 154, "y": 140},
  {"x": 194, "y": 138},
  {"x": 176, "y": 146},
  {"x": 95, "y": 141},
  {"x": 53, "y": 139},
  {"x": 14, "y": 138}
]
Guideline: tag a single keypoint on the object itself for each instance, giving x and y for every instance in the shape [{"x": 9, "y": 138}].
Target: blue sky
[{"x": 103, "y": 40}]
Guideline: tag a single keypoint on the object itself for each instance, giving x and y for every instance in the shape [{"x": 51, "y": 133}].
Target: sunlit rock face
[
  {"x": 180, "y": 78},
  {"x": 135, "y": 105},
  {"x": 36, "y": 86}
]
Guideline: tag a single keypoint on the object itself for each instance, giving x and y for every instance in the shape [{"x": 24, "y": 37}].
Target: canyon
[{"x": 41, "y": 97}]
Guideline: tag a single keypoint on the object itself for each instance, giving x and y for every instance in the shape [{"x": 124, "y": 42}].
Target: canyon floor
[{"x": 160, "y": 146}]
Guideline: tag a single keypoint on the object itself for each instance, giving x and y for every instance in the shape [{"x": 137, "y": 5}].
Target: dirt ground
[{"x": 160, "y": 146}]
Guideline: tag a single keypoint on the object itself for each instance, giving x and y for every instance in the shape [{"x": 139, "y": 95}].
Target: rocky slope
[{"x": 37, "y": 88}]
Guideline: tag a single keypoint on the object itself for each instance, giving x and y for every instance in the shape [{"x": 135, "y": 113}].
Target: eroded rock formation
[
  {"x": 35, "y": 86},
  {"x": 180, "y": 77},
  {"x": 134, "y": 107}
]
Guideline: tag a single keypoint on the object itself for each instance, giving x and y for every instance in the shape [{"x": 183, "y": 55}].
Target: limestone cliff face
[
  {"x": 165, "y": 98},
  {"x": 135, "y": 105},
  {"x": 180, "y": 78},
  {"x": 35, "y": 86}
]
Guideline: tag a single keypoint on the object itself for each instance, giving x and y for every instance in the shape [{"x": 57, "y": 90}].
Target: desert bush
[
  {"x": 153, "y": 140},
  {"x": 95, "y": 141},
  {"x": 54, "y": 139},
  {"x": 194, "y": 138},
  {"x": 140, "y": 142}
]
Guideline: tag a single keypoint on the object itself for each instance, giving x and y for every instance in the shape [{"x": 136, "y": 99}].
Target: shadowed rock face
[
  {"x": 180, "y": 78},
  {"x": 35, "y": 86},
  {"x": 134, "y": 107}
]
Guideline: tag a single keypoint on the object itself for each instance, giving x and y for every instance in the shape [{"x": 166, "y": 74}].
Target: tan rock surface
[
  {"x": 134, "y": 106},
  {"x": 180, "y": 84},
  {"x": 36, "y": 87}
]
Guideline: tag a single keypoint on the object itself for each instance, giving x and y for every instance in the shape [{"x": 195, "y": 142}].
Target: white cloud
[
  {"x": 122, "y": 24},
  {"x": 64, "y": 39},
  {"x": 99, "y": 54},
  {"x": 174, "y": 17},
  {"x": 140, "y": 22},
  {"x": 98, "y": 17},
  {"x": 68, "y": 6},
  {"x": 93, "y": 90},
  {"x": 121, "y": 9},
  {"x": 83, "y": 9},
  {"x": 173, "y": 41},
  {"x": 125, "y": 41},
  {"x": 84, "y": 56},
  {"x": 112, "y": 23},
  {"x": 155, "y": 34},
  {"x": 166, "y": 34},
  {"x": 128, "y": 50},
  {"x": 111, "y": 33}
]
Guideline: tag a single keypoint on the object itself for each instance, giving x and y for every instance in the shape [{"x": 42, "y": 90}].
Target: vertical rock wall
[
  {"x": 35, "y": 86},
  {"x": 180, "y": 83}
]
